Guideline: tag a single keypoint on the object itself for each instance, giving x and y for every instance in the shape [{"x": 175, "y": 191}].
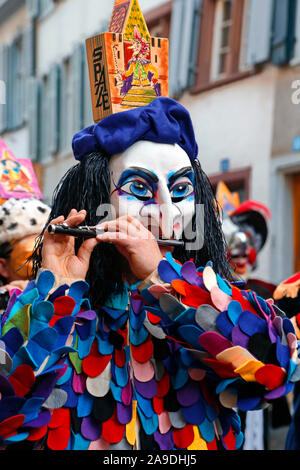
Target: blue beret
[{"x": 163, "y": 120}]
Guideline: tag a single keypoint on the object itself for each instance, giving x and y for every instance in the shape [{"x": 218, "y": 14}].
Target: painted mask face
[
  {"x": 241, "y": 247},
  {"x": 154, "y": 183}
]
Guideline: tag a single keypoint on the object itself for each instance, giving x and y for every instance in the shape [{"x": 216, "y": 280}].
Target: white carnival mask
[{"x": 154, "y": 183}]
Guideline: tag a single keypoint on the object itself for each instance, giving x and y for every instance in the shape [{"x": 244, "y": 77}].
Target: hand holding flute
[
  {"x": 84, "y": 231},
  {"x": 131, "y": 238}
]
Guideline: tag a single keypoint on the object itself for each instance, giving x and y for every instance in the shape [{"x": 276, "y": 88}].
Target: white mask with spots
[{"x": 154, "y": 183}]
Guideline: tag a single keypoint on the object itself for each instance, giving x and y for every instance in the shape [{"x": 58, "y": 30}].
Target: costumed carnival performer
[
  {"x": 287, "y": 297},
  {"x": 126, "y": 343},
  {"x": 21, "y": 221},
  {"x": 22, "y": 218},
  {"x": 245, "y": 226}
]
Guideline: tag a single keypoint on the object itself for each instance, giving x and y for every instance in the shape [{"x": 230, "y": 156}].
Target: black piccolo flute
[{"x": 91, "y": 232}]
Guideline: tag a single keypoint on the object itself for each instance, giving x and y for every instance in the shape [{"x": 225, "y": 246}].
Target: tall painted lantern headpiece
[
  {"x": 128, "y": 68},
  {"x": 129, "y": 88},
  {"x": 129, "y": 80}
]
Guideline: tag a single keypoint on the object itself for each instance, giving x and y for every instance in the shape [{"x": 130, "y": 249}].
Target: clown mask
[{"x": 154, "y": 183}]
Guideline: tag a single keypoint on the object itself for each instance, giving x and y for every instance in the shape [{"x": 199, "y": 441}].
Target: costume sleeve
[
  {"x": 287, "y": 297},
  {"x": 35, "y": 343},
  {"x": 289, "y": 288},
  {"x": 245, "y": 345}
]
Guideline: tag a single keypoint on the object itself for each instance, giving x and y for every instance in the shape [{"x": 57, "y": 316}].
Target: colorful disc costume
[{"x": 163, "y": 372}]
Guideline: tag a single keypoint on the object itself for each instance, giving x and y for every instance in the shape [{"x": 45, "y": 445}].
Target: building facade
[{"x": 235, "y": 64}]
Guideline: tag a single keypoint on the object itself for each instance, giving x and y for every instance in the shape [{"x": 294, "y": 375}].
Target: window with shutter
[
  {"x": 15, "y": 85},
  {"x": 33, "y": 7},
  {"x": 28, "y": 61},
  {"x": 243, "y": 64},
  {"x": 194, "y": 42},
  {"x": 186, "y": 45},
  {"x": 49, "y": 115},
  {"x": 178, "y": 21},
  {"x": 46, "y": 7},
  {"x": 222, "y": 43},
  {"x": 296, "y": 53},
  {"x": 29, "y": 50},
  {"x": 44, "y": 135},
  {"x": 77, "y": 87},
  {"x": 283, "y": 39},
  {"x": 2, "y": 93},
  {"x": 53, "y": 110},
  {"x": 158, "y": 20},
  {"x": 236, "y": 181},
  {"x": 175, "y": 47},
  {"x": 33, "y": 92},
  {"x": 3, "y": 87},
  {"x": 16, "y": 75},
  {"x": 258, "y": 45},
  {"x": 65, "y": 108}
]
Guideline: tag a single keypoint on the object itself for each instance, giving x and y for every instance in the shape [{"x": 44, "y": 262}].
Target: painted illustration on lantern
[{"x": 128, "y": 68}]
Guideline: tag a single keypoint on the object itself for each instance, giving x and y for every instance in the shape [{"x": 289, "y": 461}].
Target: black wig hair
[{"x": 87, "y": 186}]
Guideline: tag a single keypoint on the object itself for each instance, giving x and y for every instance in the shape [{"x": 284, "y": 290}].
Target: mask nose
[{"x": 161, "y": 216}]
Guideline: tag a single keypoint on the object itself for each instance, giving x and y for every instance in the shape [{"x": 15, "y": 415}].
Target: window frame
[
  {"x": 45, "y": 156},
  {"x": 15, "y": 84},
  {"x": 237, "y": 178},
  {"x": 160, "y": 18},
  {"x": 219, "y": 48},
  {"x": 46, "y": 9},
  {"x": 66, "y": 108},
  {"x": 234, "y": 71}
]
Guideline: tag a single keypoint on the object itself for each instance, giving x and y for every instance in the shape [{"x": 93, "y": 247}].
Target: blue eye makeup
[
  {"x": 142, "y": 184},
  {"x": 138, "y": 189},
  {"x": 181, "y": 191},
  {"x": 139, "y": 183}
]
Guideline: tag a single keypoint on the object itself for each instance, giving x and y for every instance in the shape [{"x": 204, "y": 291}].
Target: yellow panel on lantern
[
  {"x": 135, "y": 18},
  {"x": 125, "y": 16}
]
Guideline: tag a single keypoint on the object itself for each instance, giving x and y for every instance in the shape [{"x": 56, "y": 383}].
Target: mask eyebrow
[
  {"x": 181, "y": 172},
  {"x": 148, "y": 173}
]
